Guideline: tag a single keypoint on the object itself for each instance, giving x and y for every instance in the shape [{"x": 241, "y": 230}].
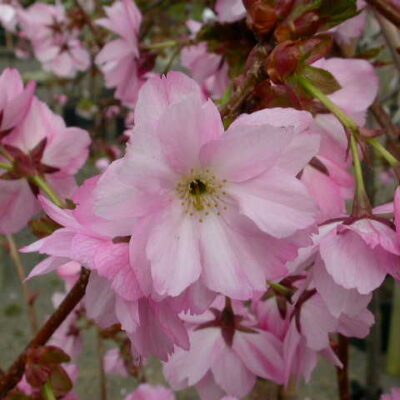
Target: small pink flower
[
  {"x": 119, "y": 59},
  {"x": 55, "y": 44}
]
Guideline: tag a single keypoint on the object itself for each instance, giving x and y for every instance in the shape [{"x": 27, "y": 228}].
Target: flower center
[{"x": 200, "y": 193}]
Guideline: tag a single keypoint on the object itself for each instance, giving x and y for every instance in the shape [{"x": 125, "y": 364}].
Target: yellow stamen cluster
[{"x": 201, "y": 193}]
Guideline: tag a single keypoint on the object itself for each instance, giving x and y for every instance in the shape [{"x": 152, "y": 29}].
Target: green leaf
[
  {"x": 321, "y": 78},
  {"x": 60, "y": 382}
]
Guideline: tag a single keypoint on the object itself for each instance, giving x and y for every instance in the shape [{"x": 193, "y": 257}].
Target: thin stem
[
  {"x": 25, "y": 289},
  {"x": 48, "y": 392},
  {"x": 387, "y": 9},
  {"x": 51, "y": 194},
  {"x": 361, "y": 205},
  {"x": 328, "y": 103},
  {"x": 360, "y": 186},
  {"x": 102, "y": 374},
  {"x": 16, "y": 371}
]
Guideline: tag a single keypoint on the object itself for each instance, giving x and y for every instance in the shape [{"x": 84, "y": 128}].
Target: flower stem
[
  {"x": 52, "y": 195},
  {"x": 309, "y": 87},
  {"x": 48, "y": 392},
  {"x": 25, "y": 289},
  {"x": 390, "y": 158},
  {"x": 361, "y": 204}
]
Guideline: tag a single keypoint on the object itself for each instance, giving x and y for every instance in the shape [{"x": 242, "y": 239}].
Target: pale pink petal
[
  {"x": 231, "y": 374},
  {"x": 173, "y": 251},
  {"x": 261, "y": 352}
]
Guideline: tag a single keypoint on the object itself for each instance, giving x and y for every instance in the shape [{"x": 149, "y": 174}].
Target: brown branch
[
  {"x": 388, "y": 10},
  {"x": 254, "y": 75},
  {"x": 343, "y": 373},
  {"x": 16, "y": 371}
]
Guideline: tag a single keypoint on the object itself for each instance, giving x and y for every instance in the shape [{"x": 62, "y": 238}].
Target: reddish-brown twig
[{"x": 16, "y": 371}]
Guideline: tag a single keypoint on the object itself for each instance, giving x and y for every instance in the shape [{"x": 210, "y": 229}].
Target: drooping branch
[
  {"x": 16, "y": 371},
  {"x": 388, "y": 10}
]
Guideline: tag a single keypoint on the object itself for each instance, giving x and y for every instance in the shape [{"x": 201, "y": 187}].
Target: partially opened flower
[
  {"x": 119, "y": 59},
  {"x": 222, "y": 208}
]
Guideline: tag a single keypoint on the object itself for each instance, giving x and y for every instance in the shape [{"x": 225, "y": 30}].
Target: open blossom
[
  {"x": 119, "y": 59},
  {"x": 230, "y": 10},
  {"x": 55, "y": 44},
  {"x": 222, "y": 208},
  {"x": 227, "y": 353}
]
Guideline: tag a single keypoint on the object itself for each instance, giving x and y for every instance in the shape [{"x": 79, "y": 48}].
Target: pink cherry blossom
[
  {"x": 42, "y": 144},
  {"x": 149, "y": 392},
  {"x": 119, "y": 59},
  {"x": 209, "y": 200},
  {"x": 230, "y": 10},
  {"x": 226, "y": 350},
  {"x": 55, "y": 44}
]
